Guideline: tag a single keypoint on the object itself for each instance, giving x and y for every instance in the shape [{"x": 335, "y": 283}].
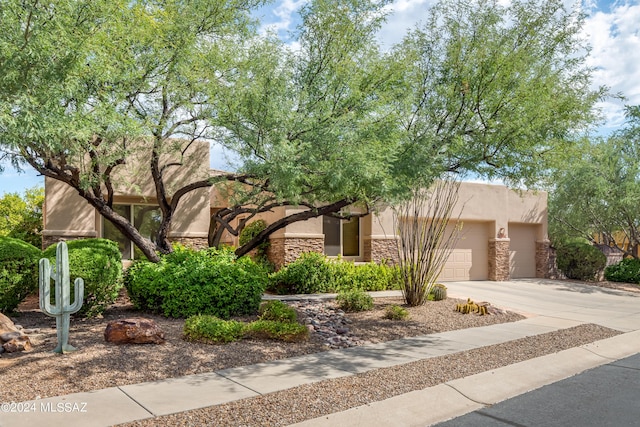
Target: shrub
[
  {"x": 627, "y": 270},
  {"x": 282, "y": 331},
  {"x": 367, "y": 277},
  {"x": 354, "y": 301},
  {"x": 98, "y": 262},
  {"x": 315, "y": 273},
  {"x": 250, "y": 231},
  {"x": 278, "y": 311},
  {"x": 188, "y": 282},
  {"x": 311, "y": 273},
  {"x": 395, "y": 312},
  {"x": 580, "y": 261},
  {"x": 18, "y": 272},
  {"x": 210, "y": 329}
]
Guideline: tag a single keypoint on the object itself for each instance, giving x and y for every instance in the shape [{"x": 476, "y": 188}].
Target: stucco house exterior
[{"x": 504, "y": 233}]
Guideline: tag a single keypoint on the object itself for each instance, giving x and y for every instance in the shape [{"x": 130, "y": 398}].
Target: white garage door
[
  {"x": 522, "y": 250},
  {"x": 469, "y": 260}
]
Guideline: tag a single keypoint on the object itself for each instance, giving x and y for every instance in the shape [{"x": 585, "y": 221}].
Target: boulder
[
  {"x": 20, "y": 343},
  {"x": 6, "y": 325},
  {"x": 136, "y": 330}
]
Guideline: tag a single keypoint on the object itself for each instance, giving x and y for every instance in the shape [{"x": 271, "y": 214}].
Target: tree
[
  {"x": 326, "y": 125},
  {"x": 312, "y": 125},
  {"x": 21, "y": 216},
  {"x": 596, "y": 194},
  {"x": 494, "y": 90},
  {"x": 92, "y": 83},
  {"x": 482, "y": 88}
]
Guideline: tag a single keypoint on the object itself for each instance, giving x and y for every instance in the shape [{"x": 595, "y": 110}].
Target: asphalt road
[{"x": 608, "y": 395}]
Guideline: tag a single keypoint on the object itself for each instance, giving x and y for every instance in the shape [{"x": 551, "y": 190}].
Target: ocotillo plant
[{"x": 63, "y": 309}]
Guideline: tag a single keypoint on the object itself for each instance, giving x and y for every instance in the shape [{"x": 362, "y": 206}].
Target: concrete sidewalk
[{"x": 551, "y": 305}]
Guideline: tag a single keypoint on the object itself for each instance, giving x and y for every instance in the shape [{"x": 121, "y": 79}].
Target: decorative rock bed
[{"x": 328, "y": 321}]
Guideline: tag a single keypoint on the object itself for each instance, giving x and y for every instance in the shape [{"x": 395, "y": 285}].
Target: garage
[
  {"x": 469, "y": 260},
  {"x": 522, "y": 250}
]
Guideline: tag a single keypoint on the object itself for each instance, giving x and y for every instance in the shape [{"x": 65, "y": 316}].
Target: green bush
[
  {"x": 315, "y": 273},
  {"x": 580, "y": 261},
  {"x": 355, "y": 300},
  {"x": 213, "y": 330},
  {"x": 627, "y": 271},
  {"x": 395, "y": 312},
  {"x": 274, "y": 330},
  {"x": 367, "y": 277},
  {"x": 311, "y": 273},
  {"x": 98, "y": 262},
  {"x": 250, "y": 231},
  {"x": 278, "y": 311},
  {"x": 210, "y": 329},
  {"x": 18, "y": 272},
  {"x": 188, "y": 282}
]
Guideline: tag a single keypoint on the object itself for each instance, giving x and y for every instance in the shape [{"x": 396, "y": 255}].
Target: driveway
[{"x": 558, "y": 299}]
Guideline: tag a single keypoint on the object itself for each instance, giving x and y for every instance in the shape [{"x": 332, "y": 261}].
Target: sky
[{"x": 612, "y": 29}]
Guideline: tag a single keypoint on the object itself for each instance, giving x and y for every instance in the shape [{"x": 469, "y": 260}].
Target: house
[{"x": 504, "y": 233}]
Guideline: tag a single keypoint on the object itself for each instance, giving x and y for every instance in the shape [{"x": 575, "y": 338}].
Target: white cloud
[{"x": 283, "y": 17}]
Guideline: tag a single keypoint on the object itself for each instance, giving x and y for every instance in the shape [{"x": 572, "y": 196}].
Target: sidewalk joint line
[
  {"x": 138, "y": 403},
  {"x": 241, "y": 385}
]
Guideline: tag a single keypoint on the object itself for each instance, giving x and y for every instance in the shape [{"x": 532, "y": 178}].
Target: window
[
  {"x": 341, "y": 237},
  {"x": 145, "y": 218}
]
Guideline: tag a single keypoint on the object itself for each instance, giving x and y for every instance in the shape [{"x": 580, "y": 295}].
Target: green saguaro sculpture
[{"x": 62, "y": 309}]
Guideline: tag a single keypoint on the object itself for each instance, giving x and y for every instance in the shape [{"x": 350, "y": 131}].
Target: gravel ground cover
[
  {"x": 98, "y": 364},
  {"x": 326, "y": 397}
]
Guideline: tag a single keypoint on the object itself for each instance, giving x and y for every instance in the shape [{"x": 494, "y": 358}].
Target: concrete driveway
[{"x": 557, "y": 299}]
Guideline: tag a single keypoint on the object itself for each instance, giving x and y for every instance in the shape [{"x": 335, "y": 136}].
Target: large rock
[
  {"x": 20, "y": 343},
  {"x": 12, "y": 339},
  {"x": 136, "y": 330},
  {"x": 6, "y": 325}
]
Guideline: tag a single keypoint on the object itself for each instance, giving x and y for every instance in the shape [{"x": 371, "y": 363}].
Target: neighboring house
[{"x": 504, "y": 232}]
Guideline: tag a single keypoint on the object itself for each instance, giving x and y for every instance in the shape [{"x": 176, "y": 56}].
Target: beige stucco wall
[
  {"x": 496, "y": 204},
  {"x": 66, "y": 214},
  {"x": 69, "y": 215}
]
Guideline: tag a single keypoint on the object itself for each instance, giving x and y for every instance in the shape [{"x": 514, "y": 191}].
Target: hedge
[{"x": 18, "y": 272}]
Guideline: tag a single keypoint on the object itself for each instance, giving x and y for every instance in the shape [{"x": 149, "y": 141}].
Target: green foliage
[
  {"x": 355, "y": 300},
  {"x": 276, "y": 330},
  {"x": 439, "y": 292},
  {"x": 627, "y": 271},
  {"x": 98, "y": 262},
  {"x": 21, "y": 217},
  {"x": 188, "y": 282},
  {"x": 580, "y": 261},
  {"x": 367, "y": 277},
  {"x": 18, "y": 272},
  {"x": 395, "y": 312},
  {"x": 481, "y": 73},
  {"x": 596, "y": 191},
  {"x": 315, "y": 273},
  {"x": 309, "y": 274},
  {"x": 277, "y": 311},
  {"x": 252, "y": 230},
  {"x": 210, "y": 329}
]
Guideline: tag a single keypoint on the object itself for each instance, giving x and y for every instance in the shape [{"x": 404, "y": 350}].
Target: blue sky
[{"x": 612, "y": 29}]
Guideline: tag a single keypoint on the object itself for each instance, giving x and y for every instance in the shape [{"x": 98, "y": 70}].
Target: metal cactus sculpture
[{"x": 63, "y": 309}]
